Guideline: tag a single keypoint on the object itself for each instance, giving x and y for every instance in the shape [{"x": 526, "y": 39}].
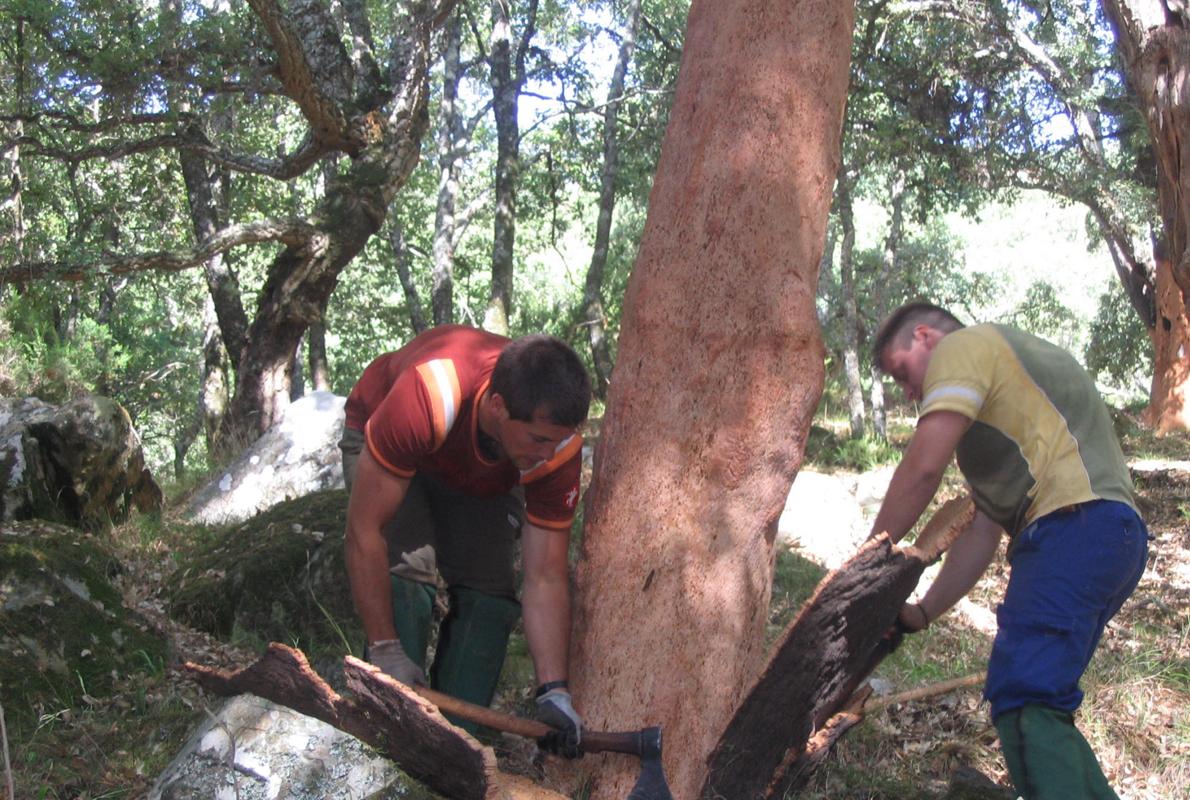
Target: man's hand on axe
[
  {"x": 390, "y": 656},
  {"x": 555, "y": 709}
]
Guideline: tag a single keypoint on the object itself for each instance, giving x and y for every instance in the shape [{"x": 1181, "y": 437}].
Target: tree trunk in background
[
  {"x": 297, "y": 382},
  {"x": 826, "y": 266},
  {"x": 1167, "y": 409},
  {"x": 718, "y": 375},
  {"x": 214, "y": 393},
  {"x": 506, "y": 65},
  {"x": 879, "y": 301},
  {"x": 14, "y": 130},
  {"x": 396, "y": 238},
  {"x": 1153, "y": 39},
  {"x": 593, "y": 289},
  {"x": 851, "y": 373},
  {"x": 320, "y": 370},
  {"x": 207, "y": 214},
  {"x": 450, "y": 139},
  {"x": 302, "y": 277},
  {"x": 208, "y": 200}
]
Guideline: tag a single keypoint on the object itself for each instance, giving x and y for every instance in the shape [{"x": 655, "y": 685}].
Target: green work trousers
[{"x": 1048, "y": 758}]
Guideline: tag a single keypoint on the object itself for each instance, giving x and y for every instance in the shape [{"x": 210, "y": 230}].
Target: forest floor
[{"x": 1136, "y": 714}]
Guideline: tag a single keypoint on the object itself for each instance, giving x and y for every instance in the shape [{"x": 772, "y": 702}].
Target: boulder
[
  {"x": 79, "y": 463},
  {"x": 65, "y": 636},
  {"x": 253, "y": 749},
  {"x": 296, "y": 457},
  {"x": 278, "y": 576}
]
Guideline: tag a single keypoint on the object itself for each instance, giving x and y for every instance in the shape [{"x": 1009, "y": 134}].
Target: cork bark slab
[
  {"x": 791, "y": 716},
  {"x": 383, "y": 713}
]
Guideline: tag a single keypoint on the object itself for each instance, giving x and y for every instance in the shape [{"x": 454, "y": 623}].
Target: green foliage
[
  {"x": 1042, "y": 313},
  {"x": 943, "y": 115},
  {"x": 1119, "y": 347},
  {"x": 825, "y": 449}
]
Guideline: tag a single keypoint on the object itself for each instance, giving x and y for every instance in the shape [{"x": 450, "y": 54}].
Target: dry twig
[
  {"x": 7, "y": 764},
  {"x": 922, "y": 692}
]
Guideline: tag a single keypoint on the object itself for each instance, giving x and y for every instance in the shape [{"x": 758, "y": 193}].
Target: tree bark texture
[
  {"x": 1153, "y": 38},
  {"x": 1170, "y": 394},
  {"x": 384, "y": 714},
  {"x": 851, "y": 371},
  {"x": 834, "y": 642},
  {"x": 718, "y": 375}
]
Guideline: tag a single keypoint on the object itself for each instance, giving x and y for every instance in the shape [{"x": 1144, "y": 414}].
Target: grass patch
[
  {"x": 107, "y": 748},
  {"x": 794, "y": 580},
  {"x": 827, "y": 450}
]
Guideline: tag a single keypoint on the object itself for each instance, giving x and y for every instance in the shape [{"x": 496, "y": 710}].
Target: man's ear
[{"x": 498, "y": 406}]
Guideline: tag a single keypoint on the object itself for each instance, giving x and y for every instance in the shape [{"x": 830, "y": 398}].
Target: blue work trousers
[{"x": 1071, "y": 572}]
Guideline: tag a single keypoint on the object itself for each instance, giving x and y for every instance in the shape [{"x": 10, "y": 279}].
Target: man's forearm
[
  {"x": 909, "y": 492},
  {"x": 919, "y": 473},
  {"x": 965, "y": 563},
  {"x": 367, "y": 569},
  {"x": 546, "y": 612}
]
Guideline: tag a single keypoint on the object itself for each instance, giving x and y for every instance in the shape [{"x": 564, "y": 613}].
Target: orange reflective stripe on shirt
[
  {"x": 565, "y": 451},
  {"x": 442, "y": 385}
]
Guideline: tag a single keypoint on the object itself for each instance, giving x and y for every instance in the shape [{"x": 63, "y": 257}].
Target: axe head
[{"x": 651, "y": 785}]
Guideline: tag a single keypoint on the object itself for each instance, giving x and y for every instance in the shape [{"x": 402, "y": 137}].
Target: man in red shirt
[{"x": 453, "y": 445}]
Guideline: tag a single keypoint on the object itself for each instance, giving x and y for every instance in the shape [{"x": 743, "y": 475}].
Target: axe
[{"x": 645, "y": 743}]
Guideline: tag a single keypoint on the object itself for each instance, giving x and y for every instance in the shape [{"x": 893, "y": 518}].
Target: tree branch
[
  {"x": 320, "y": 101},
  {"x": 285, "y": 168},
  {"x": 293, "y": 233},
  {"x": 924, "y": 692}
]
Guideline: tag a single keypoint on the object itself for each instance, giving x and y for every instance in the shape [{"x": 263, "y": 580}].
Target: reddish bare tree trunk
[
  {"x": 718, "y": 375},
  {"x": 1153, "y": 38},
  {"x": 1170, "y": 392}
]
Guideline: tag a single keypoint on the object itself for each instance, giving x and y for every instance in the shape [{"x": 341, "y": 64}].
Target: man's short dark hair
[
  {"x": 902, "y": 322},
  {"x": 542, "y": 372}
]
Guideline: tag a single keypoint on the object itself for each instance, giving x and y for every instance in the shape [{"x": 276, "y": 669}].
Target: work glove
[
  {"x": 555, "y": 709},
  {"x": 389, "y": 655}
]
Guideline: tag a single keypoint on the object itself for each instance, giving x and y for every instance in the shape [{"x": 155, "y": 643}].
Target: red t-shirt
[{"x": 418, "y": 409}]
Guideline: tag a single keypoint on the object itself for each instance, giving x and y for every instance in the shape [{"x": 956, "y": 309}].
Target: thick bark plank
[
  {"x": 775, "y": 737},
  {"x": 390, "y": 717}
]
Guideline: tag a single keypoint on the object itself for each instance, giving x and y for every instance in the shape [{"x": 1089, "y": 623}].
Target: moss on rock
[
  {"x": 279, "y": 576},
  {"x": 65, "y": 635}
]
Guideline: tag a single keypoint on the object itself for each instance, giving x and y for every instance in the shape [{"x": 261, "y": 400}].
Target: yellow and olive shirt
[{"x": 1041, "y": 437}]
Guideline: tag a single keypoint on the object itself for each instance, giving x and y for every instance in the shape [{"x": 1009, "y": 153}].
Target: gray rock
[
  {"x": 253, "y": 749},
  {"x": 298, "y": 456},
  {"x": 80, "y": 464}
]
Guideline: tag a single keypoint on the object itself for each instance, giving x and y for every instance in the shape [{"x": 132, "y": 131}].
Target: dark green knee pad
[
  {"x": 471, "y": 646},
  {"x": 413, "y": 610},
  {"x": 1048, "y": 758}
]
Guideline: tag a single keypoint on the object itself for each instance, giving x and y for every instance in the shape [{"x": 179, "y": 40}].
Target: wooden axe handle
[{"x": 592, "y": 741}]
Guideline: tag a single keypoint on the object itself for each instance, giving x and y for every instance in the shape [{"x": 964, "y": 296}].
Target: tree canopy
[{"x": 214, "y": 205}]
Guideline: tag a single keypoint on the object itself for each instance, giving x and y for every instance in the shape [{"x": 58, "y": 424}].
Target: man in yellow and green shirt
[{"x": 1035, "y": 441}]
